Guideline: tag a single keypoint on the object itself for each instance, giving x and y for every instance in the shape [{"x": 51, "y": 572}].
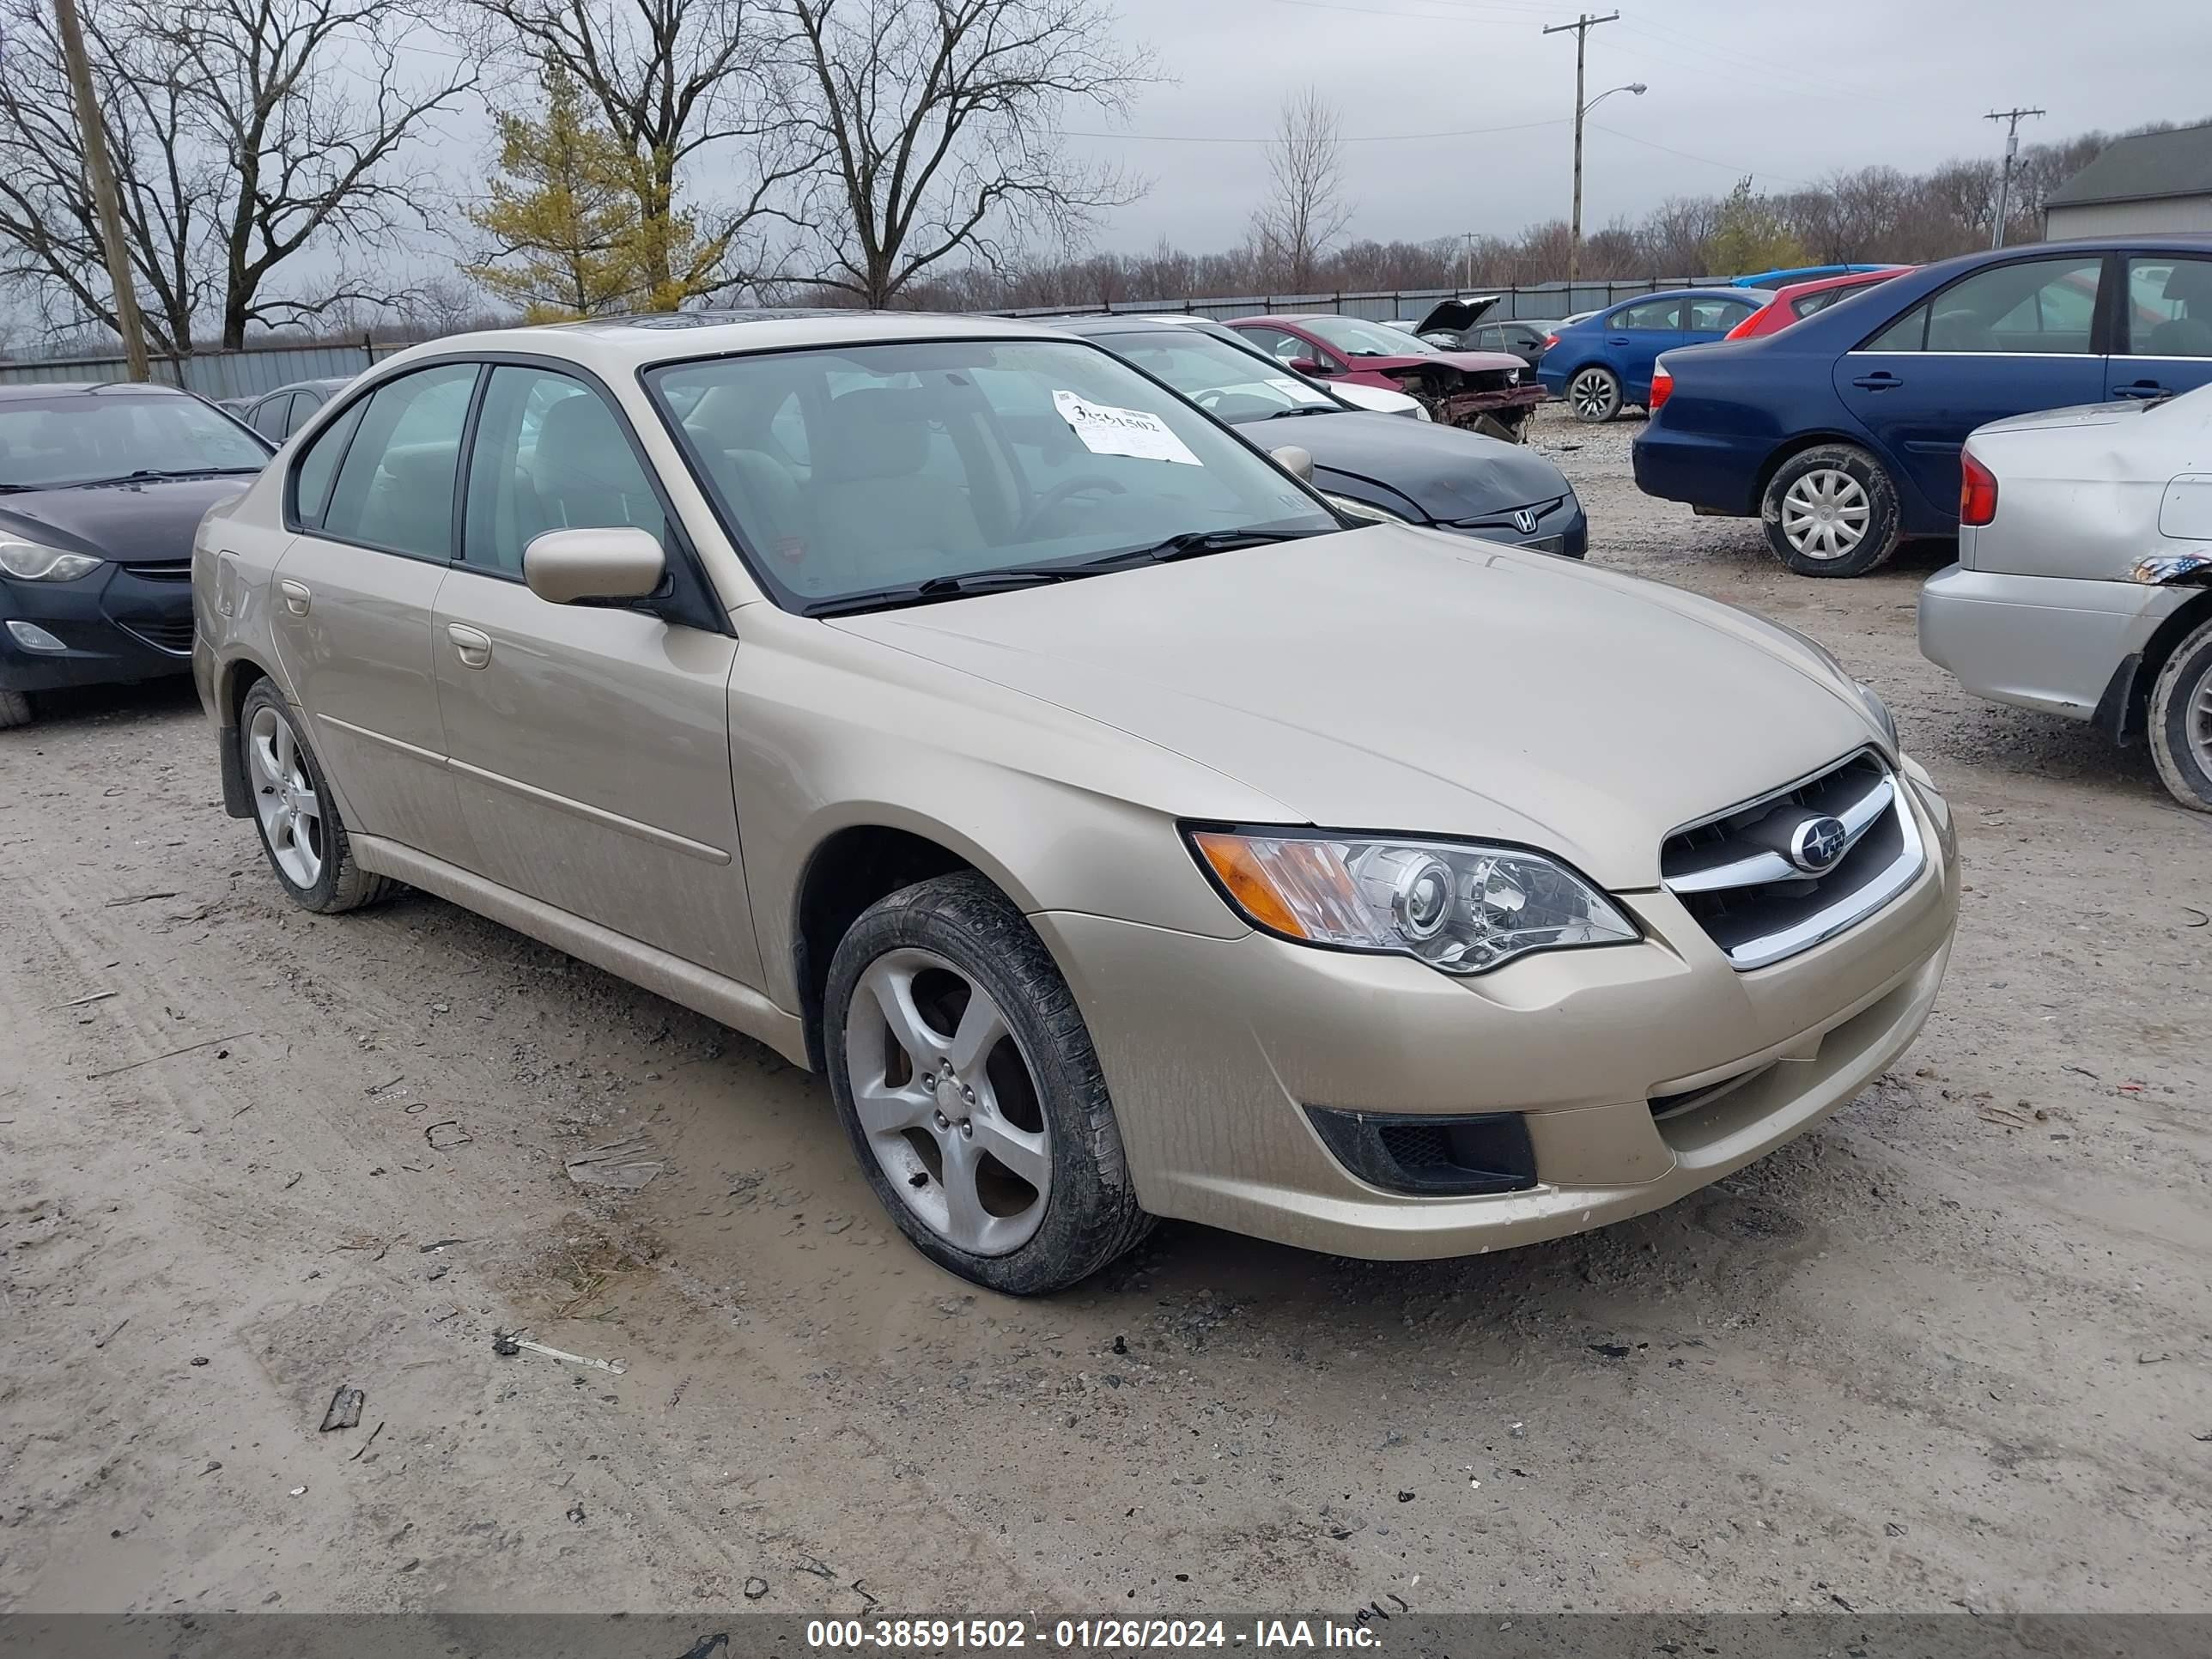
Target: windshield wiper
[
  {"x": 1302, "y": 409},
  {"x": 944, "y": 587},
  {"x": 153, "y": 472},
  {"x": 1193, "y": 544}
]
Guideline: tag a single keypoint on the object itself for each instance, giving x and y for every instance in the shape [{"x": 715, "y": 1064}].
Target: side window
[
  {"x": 1283, "y": 348},
  {"x": 2169, "y": 307},
  {"x": 395, "y": 489},
  {"x": 550, "y": 454},
  {"x": 1656, "y": 314},
  {"x": 1908, "y": 333},
  {"x": 1717, "y": 316},
  {"x": 318, "y": 466},
  {"x": 304, "y": 403},
  {"x": 272, "y": 417},
  {"x": 2029, "y": 306}
]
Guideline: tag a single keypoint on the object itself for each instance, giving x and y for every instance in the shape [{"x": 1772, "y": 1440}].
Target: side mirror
[
  {"x": 1294, "y": 460},
  {"x": 569, "y": 567},
  {"x": 1310, "y": 366}
]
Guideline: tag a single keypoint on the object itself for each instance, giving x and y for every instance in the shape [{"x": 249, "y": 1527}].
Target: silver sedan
[{"x": 2084, "y": 581}]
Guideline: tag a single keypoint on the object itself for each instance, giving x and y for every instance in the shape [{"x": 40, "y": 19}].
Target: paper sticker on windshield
[{"x": 1106, "y": 430}]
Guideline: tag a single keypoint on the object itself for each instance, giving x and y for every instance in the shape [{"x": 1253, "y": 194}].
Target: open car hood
[{"x": 1458, "y": 315}]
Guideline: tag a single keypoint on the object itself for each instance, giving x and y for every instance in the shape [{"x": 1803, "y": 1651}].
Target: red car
[
  {"x": 1488, "y": 391},
  {"x": 1799, "y": 301}
]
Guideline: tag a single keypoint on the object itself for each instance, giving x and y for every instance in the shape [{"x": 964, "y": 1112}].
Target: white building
[{"x": 2153, "y": 184}]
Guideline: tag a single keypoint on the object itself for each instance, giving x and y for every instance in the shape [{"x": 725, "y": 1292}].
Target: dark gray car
[
  {"x": 1417, "y": 471},
  {"x": 277, "y": 415}
]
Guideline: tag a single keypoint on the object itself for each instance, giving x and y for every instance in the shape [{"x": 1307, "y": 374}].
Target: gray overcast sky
[{"x": 1787, "y": 92}]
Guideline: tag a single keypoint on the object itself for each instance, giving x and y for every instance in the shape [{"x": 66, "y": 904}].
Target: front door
[
  {"x": 2006, "y": 340},
  {"x": 2164, "y": 343},
  {"x": 589, "y": 745},
  {"x": 353, "y": 594},
  {"x": 1635, "y": 336}
]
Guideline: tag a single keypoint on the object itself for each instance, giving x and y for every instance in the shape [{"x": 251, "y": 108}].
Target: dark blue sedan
[
  {"x": 1842, "y": 433},
  {"x": 1602, "y": 364}
]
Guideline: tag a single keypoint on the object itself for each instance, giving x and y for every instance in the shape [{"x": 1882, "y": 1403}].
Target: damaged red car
[{"x": 1486, "y": 392}]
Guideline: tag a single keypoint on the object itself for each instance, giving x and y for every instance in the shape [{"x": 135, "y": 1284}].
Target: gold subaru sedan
[{"x": 1126, "y": 828}]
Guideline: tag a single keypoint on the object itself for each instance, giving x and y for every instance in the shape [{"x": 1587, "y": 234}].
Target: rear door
[
  {"x": 271, "y": 416},
  {"x": 372, "y": 500},
  {"x": 2162, "y": 343},
  {"x": 590, "y": 745},
  {"x": 2003, "y": 340},
  {"x": 1635, "y": 336}
]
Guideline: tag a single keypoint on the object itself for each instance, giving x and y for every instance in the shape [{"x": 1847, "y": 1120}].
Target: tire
[
  {"x": 2180, "y": 721},
  {"x": 1831, "y": 511},
  {"x": 14, "y": 709},
  {"x": 1030, "y": 1087},
  {"x": 1594, "y": 394},
  {"x": 307, "y": 846}
]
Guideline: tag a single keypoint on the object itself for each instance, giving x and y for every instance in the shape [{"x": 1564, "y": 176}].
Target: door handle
[
  {"x": 471, "y": 645},
  {"x": 2140, "y": 389},
  {"x": 1879, "y": 380},
  {"x": 297, "y": 595},
  {"x": 1618, "y": 339}
]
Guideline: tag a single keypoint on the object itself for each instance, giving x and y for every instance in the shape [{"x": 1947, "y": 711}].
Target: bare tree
[
  {"x": 243, "y": 133},
  {"x": 940, "y": 125},
  {"x": 685, "y": 88},
  {"x": 1305, "y": 209}
]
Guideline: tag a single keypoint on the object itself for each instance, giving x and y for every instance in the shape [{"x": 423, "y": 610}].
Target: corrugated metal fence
[
  {"x": 216, "y": 374},
  {"x": 1547, "y": 301}
]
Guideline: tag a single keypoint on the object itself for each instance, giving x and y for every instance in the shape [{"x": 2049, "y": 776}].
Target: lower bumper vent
[{"x": 1428, "y": 1155}]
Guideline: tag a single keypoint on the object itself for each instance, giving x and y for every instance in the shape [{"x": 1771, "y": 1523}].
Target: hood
[
  {"x": 149, "y": 520},
  {"x": 1449, "y": 474},
  {"x": 1458, "y": 315},
  {"x": 1404, "y": 679}
]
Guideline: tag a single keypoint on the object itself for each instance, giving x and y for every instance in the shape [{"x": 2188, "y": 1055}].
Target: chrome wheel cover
[
  {"x": 949, "y": 1101},
  {"x": 1825, "y": 513},
  {"x": 284, "y": 799}
]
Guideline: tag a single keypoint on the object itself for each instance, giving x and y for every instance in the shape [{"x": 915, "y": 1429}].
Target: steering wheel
[{"x": 1065, "y": 491}]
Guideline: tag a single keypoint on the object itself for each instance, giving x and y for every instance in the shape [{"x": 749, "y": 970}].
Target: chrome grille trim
[{"x": 1758, "y": 905}]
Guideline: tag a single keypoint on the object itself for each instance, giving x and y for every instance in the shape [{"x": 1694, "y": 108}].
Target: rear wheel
[
  {"x": 300, "y": 830},
  {"x": 15, "y": 708},
  {"x": 1593, "y": 395},
  {"x": 967, "y": 1083},
  {"x": 2181, "y": 722},
  {"x": 1831, "y": 511}
]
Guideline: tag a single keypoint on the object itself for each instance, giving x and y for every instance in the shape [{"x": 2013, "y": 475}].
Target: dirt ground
[{"x": 1953, "y": 1350}]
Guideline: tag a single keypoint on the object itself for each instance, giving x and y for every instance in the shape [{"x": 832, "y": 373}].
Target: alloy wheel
[
  {"x": 1593, "y": 395},
  {"x": 285, "y": 798},
  {"x": 1825, "y": 513},
  {"x": 949, "y": 1101},
  {"x": 2199, "y": 724}
]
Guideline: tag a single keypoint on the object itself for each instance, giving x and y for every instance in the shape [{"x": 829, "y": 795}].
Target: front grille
[
  {"x": 1500, "y": 525},
  {"x": 1738, "y": 876},
  {"x": 171, "y": 634},
  {"x": 177, "y": 570}
]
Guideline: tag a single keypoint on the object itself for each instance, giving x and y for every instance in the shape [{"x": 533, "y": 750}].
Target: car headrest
[
  {"x": 580, "y": 447},
  {"x": 879, "y": 433},
  {"x": 2189, "y": 282}
]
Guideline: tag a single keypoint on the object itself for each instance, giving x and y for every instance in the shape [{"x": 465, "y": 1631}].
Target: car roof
[
  {"x": 1757, "y": 295},
  {"x": 325, "y": 383},
  {"x": 1853, "y": 279},
  {"x": 51, "y": 388},
  {"x": 622, "y": 345}
]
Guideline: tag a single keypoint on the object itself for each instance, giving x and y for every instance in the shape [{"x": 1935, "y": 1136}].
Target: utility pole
[
  {"x": 102, "y": 176},
  {"x": 2012, "y": 118},
  {"x": 1466, "y": 238},
  {"x": 1581, "y": 26}
]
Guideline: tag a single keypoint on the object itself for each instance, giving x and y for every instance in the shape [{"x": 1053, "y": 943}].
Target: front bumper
[
  {"x": 1215, "y": 1049},
  {"x": 2051, "y": 643},
  {"x": 120, "y": 624}
]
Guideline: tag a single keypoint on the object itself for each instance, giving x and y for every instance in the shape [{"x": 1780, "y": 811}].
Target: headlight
[
  {"x": 1420, "y": 412},
  {"x": 1365, "y": 511},
  {"x": 34, "y": 564},
  {"x": 1460, "y": 906}
]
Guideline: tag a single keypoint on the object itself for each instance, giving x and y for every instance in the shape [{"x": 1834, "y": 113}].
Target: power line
[
  {"x": 1731, "y": 166},
  {"x": 2012, "y": 118},
  {"x": 1348, "y": 138}
]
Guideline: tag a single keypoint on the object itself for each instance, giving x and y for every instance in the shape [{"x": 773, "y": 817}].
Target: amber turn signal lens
[{"x": 1238, "y": 868}]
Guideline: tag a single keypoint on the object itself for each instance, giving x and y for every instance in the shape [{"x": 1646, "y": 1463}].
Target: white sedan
[{"x": 2084, "y": 581}]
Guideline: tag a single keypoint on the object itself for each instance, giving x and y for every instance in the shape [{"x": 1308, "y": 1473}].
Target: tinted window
[
  {"x": 395, "y": 488},
  {"x": 1908, "y": 333},
  {"x": 2031, "y": 305},
  {"x": 76, "y": 437},
  {"x": 270, "y": 417},
  {"x": 954, "y": 458},
  {"x": 311, "y": 480},
  {"x": 1657, "y": 313},
  {"x": 304, "y": 403},
  {"x": 549, "y": 455},
  {"x": 2169, "y": 307},
  {"x": 1717, "y": 316}
]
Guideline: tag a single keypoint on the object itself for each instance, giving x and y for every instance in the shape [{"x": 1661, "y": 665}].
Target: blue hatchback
[
  {"x": 1842, "y": 433},
  {"x": 1603, "y": 363}
]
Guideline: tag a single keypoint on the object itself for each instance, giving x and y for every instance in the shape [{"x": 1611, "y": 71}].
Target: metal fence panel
[
  {"x": 1546, "y": 300},
  {"x": 215, "y": 374}
]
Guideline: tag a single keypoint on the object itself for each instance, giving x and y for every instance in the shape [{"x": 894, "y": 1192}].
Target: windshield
[
  {"x": 1227, "y": 381},
  {"x": 844, "y": 471},
  {"x": 1364, "y": 339},
  {"x": 74, "y": 438}
]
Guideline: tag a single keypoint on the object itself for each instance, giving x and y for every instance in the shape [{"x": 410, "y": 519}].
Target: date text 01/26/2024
[{"x": 1085, "y": 1635}]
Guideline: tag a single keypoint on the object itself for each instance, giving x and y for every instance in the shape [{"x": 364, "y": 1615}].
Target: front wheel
[
  {"x": 1593, "y": 395},
  {"x": 966, "y": 1081},
  {"x": 15, "y": 708},
  {"x": 1831, "y": 511},
  {"x": 2181, "y": 722}
]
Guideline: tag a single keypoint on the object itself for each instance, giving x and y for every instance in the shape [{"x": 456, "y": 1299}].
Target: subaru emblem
[{"x": 1817, "y": 843}]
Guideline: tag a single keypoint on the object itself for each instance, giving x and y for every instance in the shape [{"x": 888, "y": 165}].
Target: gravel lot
[{"x": 1951, "y": 1350}]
